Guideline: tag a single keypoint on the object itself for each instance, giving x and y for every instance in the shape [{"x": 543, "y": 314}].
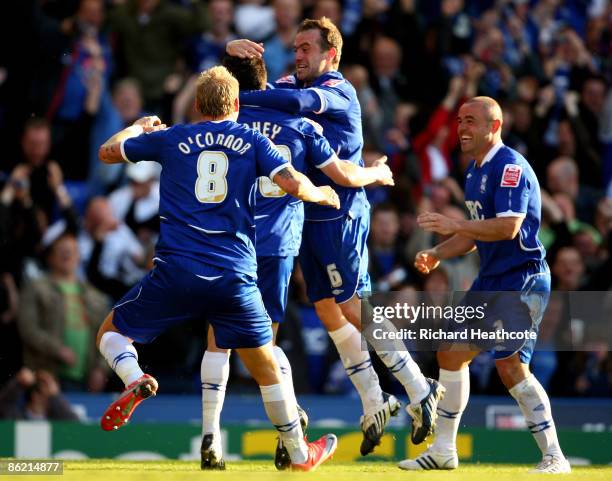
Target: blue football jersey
[
  {"x": 332, "y": 102},
  {"x": 278, "y": 216},
  {"x": 505, "y": 185},
  {"x": 207, "y": 191}
]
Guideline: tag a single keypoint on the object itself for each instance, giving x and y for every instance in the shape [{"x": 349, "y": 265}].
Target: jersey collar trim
[{"x": 491, "y": 153}]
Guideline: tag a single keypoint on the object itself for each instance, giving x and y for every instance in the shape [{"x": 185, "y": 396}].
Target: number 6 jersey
[
  {"x": 505, "y": 186},
  {"x": 207, "y": 191}
]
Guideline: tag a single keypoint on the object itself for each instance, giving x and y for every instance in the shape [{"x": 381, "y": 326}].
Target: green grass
[{"x": 110, "y": 470}]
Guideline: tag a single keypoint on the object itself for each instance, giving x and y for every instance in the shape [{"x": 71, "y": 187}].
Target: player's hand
[
  {"x": 386, "y": 176},
  {"x": 330, "y": 197},
  {"x": 432, "y": 222},
  {"x": 382, "y": 160},
  {"x": 426, "y": 261},
  {"x": 150, "y": 123},
  {"x": 244, "y": 48}
]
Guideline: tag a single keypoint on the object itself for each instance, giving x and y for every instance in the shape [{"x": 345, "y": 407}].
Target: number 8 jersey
[
  {"x": 207, "y": 191},
  {"x": 505, "y": 186}
]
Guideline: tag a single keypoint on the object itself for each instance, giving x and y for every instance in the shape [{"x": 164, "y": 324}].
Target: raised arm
[
  {"x": 298, "y": 185},
  {"x": 110, "y": 151}
]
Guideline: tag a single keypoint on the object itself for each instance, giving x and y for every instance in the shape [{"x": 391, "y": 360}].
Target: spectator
[
  {"x": 151, "y": 35},
  {"x": 388, "y": 82},
  {"x": 389, "y": 269},
  {"x": 125, "y": 106},
  {"x": 59, "y": 317},
  {"x": 34, "y": 396},
  {"x": 278, "y": 54},
  {"x": 208, "y": 48},
  {"x": 137, "y": 204},
  {"x": 568, "y": 269},
  {"x": 83, "y": 82},
  {"x": 562, "y": 177},
  {"x": 112, "y": 256}
]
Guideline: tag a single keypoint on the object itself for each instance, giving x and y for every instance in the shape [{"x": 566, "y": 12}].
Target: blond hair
[
  {"x": 216, "y": 92},
  {"x": 330, "y": 35}
]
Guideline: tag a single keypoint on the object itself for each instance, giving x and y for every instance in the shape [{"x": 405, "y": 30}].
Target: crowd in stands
[{"x": 75, "y": 234}]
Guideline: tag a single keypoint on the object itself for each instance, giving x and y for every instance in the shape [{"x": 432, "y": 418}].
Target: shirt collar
[{"x": 491, "y": 153}]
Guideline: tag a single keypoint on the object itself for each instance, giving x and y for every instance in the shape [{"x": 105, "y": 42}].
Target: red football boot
[
  {"x": 119, "y": 412},
  {"x": 318, "y": 452}
]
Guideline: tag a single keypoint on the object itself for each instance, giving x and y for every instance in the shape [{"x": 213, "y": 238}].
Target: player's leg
[
  {"x": 332, "y": 267},
  {"x": 214, "y": 373},
  {"x": 455, "y": 377},
  {"x": 535, "y": 406},
  {"x": 145, "y": 311},
  {"x": 282, "y": 411},
  {"x": 273, "y": 277},
  {"x": 240, "y": 322},
  {"x": 424, "y": 394},
  {"x": 513, "y": 369}
]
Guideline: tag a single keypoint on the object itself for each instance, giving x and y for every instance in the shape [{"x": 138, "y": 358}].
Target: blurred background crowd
[{"x": 76, "y": 234}]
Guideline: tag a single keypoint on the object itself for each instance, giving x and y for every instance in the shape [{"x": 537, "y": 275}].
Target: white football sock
[
  {"x": 535, "y": 406},
  {"x": 121, "y": 356},
  {"x": 398, "y": 360},
  {"x": 285, "y": 369},
  {"x": 214, "y": 373},
  {"x": 450, "y": 409},
  {"x": 282, "y": 411},
  {"x": 358, "y": 366}
]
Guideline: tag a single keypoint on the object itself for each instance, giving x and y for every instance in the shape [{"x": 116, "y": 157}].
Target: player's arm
[
  {"x": 295, "y": 101},
  {"x": 347, "y": 174},
  {"x": 485, "y": 230},
  {"x": 298, "y": 185},
  {"x": 110, "y": 151},
  {"x": 458, "y": 245}
]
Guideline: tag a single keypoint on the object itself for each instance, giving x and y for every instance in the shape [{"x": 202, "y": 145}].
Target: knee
[
  {"x": 452, "y": 360},
  {"x": 352, "y": 314},
  {"x": 267, "y": 374}
]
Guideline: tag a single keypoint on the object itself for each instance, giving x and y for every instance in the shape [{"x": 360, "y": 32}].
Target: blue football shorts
[
  {"x": 334, "y": 258},
  {"x": 169, "y": 295},
  {"x": 513, "y": 302},
  {"x": 273, "y": 276}
]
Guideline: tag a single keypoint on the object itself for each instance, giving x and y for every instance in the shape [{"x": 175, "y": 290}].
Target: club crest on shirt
[
  {"x": 287, "y": 79},
  {"x": 483, "y": 184},
  {"x": 511, "y": 175},
  {"x": 332, "y": 82}
]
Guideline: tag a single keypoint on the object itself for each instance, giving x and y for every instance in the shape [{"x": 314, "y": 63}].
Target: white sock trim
[
  {"x": 342, "y": 334},
  {"x": 514, "y": 390},
  {"x": 454, "y": 376},
  {"x": 272, "y": 393}
]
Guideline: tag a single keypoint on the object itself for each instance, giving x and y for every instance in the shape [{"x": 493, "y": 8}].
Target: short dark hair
[
  {"x": 330, "y": 35},
  {"x": 250, "y": 72}
]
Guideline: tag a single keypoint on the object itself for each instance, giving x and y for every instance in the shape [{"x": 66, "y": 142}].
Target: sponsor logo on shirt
[
  {"x": 287, "y": 79},
  {"x": 511, "y": 175},
  {"x": 332, "y": 82},
  {"x": 483, "y": 184}
]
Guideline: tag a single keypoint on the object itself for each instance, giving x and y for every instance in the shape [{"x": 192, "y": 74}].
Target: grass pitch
[{"x": 105, "y": 470}]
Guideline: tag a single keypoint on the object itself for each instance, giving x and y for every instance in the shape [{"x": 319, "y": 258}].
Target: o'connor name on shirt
[{"x": 209, "y": 139}]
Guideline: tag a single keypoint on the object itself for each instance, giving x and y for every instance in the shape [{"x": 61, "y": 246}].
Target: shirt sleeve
[
  {"x": 294, "y": 101},
  {"x": 512, "y": 192},
  {"x": 319, "y": 151},
  {"x": 269, "y": 159},
  {"x": 144, "y": 147}
]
